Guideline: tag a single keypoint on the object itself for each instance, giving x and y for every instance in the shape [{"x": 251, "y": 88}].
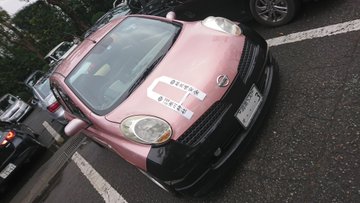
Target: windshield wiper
[{"x": 144, "y": 74}]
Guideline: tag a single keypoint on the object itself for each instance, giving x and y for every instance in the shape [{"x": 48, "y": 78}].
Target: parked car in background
[
  {"x": 266, "y": 12},
  {"x": 13, "y": 109},
  {"x": 120, "y": 10},
  {"x": 59, "y": 52},
  {"x": 18, "y": 145},
  {"x": 176, "y": 99},
  {"x": 38, "y": 83}
]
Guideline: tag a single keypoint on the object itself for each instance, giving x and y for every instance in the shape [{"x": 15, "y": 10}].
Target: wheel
[{"x": 274, "y": 12}]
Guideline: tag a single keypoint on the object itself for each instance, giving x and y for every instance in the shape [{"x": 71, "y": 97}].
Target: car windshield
[
  {"x": 59, "y": 52},
  {"x": 32, "y": 80},
  {"x": 113, "y": 68},
  {"x": 43, "y": 87}
]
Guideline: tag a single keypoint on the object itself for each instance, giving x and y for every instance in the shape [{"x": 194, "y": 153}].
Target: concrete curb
[{"x": 41, "y": 180}]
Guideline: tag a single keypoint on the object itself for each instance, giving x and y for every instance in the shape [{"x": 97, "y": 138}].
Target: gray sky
[{"x": 12, "y": 6}]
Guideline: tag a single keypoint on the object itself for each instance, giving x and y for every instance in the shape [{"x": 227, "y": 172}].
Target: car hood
[{"x": 184, "y": 84}]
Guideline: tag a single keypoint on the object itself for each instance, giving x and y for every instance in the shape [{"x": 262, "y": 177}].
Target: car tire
[{"x": 267, "y": 12}]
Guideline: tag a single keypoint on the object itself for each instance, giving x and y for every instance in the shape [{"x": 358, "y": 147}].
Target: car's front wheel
[{"x": 274, "y": 12}]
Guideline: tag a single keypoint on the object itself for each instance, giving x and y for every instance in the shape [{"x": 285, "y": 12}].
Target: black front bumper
[{"x": 192, "y": 163}]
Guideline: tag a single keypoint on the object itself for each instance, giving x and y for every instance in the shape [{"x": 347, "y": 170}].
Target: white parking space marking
[
  {"x": 53, "y": 132},
  {"x": 108, "y": 193},
  {"x": 316, "y": 33}
]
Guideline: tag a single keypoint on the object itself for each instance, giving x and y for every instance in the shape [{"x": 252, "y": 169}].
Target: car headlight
[
  {"x": 146, "y": 129},
  {"x": 222, "y": 25}
]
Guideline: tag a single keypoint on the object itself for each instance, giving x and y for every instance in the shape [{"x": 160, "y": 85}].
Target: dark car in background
[
  {"x": 18, "y": 145},
  {"x": 266, "y": 12}
]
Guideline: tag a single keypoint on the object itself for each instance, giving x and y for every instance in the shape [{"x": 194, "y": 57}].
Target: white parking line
[
  {"x": 53, "y": 132},
  {"x": 108, "y": 193},
  {"x": 316, "y": 33}
]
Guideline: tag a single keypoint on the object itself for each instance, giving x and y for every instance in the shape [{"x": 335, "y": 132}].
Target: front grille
[
  {"x": 199, "y": 131},
  {"x": 248, "y": 57}
]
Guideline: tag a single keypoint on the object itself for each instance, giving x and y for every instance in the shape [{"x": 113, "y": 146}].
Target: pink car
[{"x": 176, "y": 99}]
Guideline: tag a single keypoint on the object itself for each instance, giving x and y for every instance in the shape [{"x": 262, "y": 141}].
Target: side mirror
[
  {"x": 75, "y": 126},
  {"x": 171, "y": 15}
]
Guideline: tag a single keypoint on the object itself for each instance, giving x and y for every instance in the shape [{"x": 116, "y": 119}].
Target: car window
[
  {"x": 6, "y": 102},
  {"x": 104, "y": 77},
  {"x": 43, "y": 87},
  {"x": 12, "y": 99},
  {"x": 32, "y": 80},
  {"x": 58, "y": 53}
]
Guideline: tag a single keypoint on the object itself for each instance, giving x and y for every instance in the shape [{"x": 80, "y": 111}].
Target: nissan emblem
[{"x": 222, "y": 80}]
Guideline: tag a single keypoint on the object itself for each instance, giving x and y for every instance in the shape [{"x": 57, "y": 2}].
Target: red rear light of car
[
  {"x": 8, "y": 137},
  {"x": 53, "y": 107}
]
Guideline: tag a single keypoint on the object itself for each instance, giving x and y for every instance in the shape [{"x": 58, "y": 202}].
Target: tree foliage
[
  {"x": 11, "y": 34},
  {"x": 47, "y": 25},
  {"x": 29, "y": 35},
  {"x": 18, "y": 55}
]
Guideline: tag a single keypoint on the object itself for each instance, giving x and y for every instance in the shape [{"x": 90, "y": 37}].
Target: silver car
[
  {"x": 60, "y": 52},
  {"x": 38, "y": 82},
  {"x": 12, "y": 109}
]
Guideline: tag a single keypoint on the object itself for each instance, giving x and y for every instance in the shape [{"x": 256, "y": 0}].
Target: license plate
[
  {"x": 249, "y": 106},
  {"x": 7, "y": 170}
]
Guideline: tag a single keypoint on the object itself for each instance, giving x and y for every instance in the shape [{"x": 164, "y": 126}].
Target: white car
[
  {"x": 12, "y": 109},
  {"x": 59, "y": 52}
]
